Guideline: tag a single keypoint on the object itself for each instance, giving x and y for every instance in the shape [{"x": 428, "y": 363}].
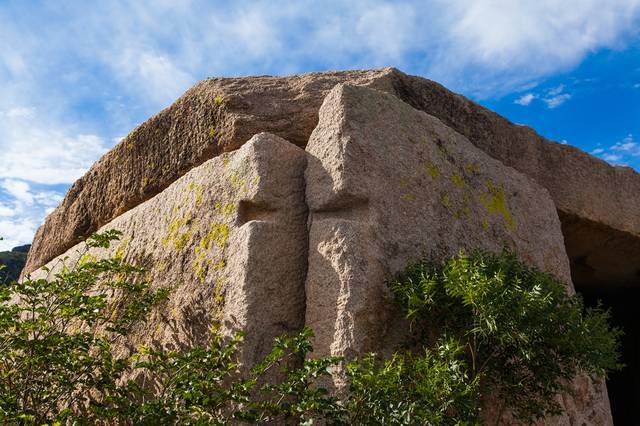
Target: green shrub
[
  {"x": 482, "y": 326},
  {"x": 431, "y": 387},
  {"x": 523, "y": 336},
  {"x": 203, "y": 386},
  {"x": 58, "y": 366},
  {"x": 56, "y": 337}
]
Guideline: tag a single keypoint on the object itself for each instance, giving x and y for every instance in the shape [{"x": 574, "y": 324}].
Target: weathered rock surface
[
  {"x": 215, "y": 116},
  {"x": 229, "y": 238},
  {"x": 591, "y": 196},
  {"x": 388, "y": 185},
  {"x": 218, "y": 115},
  {"x": 579, "y": 183}
]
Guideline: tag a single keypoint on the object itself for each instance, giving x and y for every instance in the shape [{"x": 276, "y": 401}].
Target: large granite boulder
[
  {"x": 229, "y": 239},
  {"x": 388, "y": 185},
  {"x": 405, "y": 171},
  {"x": 218, "y": 115},
  {"x": 598, "y": 204}
]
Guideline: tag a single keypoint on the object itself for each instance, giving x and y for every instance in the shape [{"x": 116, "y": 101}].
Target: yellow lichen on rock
[{"x": 494, "y": 201}]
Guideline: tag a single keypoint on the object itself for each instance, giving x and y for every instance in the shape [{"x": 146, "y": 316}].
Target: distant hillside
[{"x": 14, "y": 261}]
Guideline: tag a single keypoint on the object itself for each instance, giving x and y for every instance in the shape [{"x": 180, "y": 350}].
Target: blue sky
[{"x": 76, "y": 76}]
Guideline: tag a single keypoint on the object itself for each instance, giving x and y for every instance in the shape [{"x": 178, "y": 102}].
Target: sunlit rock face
[{"x": 229, "y": 240}]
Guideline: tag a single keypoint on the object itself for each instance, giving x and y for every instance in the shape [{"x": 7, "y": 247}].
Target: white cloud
[
  {"x": 21, "y": 209},
  {"x": 39, "y": 151},
  {"x": 525, "y": 100},
  {"x": 519, "y": 40},
  {"x": 20, "y": 112},
  {"x": 48, "y": 198},
  {"x": 554, "y": 91},
  {"x": 612, "y": 158},
  {"x": 155, "y": 75},
  {"x": 556, "y": 101},
  {"x": 555, "y": 96},
  {"x": 19, "y": 190},
  {"x": 5, "y": 210},
  {"x": 552, "y": 97},
  {"x": 15, "y": 232},
  {"x": 387, "y": 29},
  {"x": 620, "y": 153},
  {"x": 627, "y": 148},
  {"x": 627, "y": 145}
]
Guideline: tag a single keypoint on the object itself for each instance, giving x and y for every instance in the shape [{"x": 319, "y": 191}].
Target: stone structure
[
  {"x": 267, "y": 237},
  {"x": 218, "y": 115}
]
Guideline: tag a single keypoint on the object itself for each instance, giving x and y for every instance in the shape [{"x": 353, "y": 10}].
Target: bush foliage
[
  {"x": 482, "y": 326},
  {"x": 523, "y": 336}
]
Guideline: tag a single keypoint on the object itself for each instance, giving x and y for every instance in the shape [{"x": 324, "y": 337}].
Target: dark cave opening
[
  {"x": 605, "y": 267},
  {"x": 623, "y": 386}
]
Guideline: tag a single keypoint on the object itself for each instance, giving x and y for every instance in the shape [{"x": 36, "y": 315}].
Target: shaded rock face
[{"x": 405, "y": 171}]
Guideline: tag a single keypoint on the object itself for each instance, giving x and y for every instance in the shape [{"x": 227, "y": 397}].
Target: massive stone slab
[
  {"x": 218, "y": 115},
  {"x": 229, "y": 239},
  {"x": 388, "y": 185}
]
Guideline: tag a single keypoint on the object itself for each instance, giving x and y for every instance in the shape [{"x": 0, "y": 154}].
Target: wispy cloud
[
  {"x": 621, "y": 152},
  {"x": 525, "y": 100},
  {"x": 555, "y": 97},
  {"x": 627, "y": 146},
  {"x": 21, "y": 210},
  {"x": 552, "y": 97},
  {"x": 557, "y": 100}
]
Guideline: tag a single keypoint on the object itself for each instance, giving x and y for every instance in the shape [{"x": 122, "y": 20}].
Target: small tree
[
  {"x": 523, "y": 336},
  {"x": 56, "y": 337},
  {"x": 58, "y": 366},
  {"x": 203, "y": 386}
]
